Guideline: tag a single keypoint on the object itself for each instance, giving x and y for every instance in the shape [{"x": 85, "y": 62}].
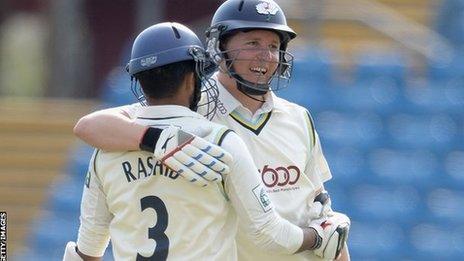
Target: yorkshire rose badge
[{"x": 266, "y": 7}]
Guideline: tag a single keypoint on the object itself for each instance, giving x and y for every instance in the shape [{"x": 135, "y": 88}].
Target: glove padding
[
  {"x": 194, "y": 158},
  {"x": 333, "y": 232},
  {"x": 320, "y": 207}
]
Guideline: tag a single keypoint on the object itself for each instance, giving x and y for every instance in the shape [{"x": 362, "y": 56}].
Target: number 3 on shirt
[{"x": 157, "y": 232}]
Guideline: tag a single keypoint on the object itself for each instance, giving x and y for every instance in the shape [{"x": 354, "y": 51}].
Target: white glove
[
  {"x": 194, "y": 158},
  {"x": 321, "y": 207},
  {"x": 333, "y": 232},
  {"x": 70, "y": 253}
]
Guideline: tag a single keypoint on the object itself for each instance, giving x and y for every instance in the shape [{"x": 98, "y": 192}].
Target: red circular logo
[{"x": 280, "y": 176}]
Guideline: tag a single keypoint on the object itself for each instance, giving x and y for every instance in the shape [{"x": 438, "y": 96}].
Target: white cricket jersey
[
  {"x": 285, "y": 147},
  {"x": 162, "y": 216}
]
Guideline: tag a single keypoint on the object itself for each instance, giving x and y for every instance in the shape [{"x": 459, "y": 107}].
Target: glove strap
[
  {"x": 323, "y": 197},
  {"x": 149, "y": 139}
]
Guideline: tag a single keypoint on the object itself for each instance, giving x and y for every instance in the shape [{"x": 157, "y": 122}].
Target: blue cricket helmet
[
  {"x": 162, "y": 44},
  {"x": 167, "y": 43},
  {"x": 246, "y": 15}
]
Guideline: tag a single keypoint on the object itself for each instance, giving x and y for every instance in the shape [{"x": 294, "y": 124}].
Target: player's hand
[
  {"x": 194, "y": 158},
  {"x": 320, "y": 207},
  {"x": 333, "y": 232}
]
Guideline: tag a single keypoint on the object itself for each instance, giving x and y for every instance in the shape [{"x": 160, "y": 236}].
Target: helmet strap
[
  {"x": 244, "y": 85},
  {"x": 196, "y": 94},
  {"x": 244, "y": 89}
]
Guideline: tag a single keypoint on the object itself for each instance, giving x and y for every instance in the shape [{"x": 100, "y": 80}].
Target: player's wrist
[
  {"x": 317, "y": 239},
  {"x": 311, "y": 239},
  {"x": 149, "y": 139}
]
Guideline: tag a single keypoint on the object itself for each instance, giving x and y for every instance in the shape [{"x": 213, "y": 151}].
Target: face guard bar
[{"x": 279, "y": 79}]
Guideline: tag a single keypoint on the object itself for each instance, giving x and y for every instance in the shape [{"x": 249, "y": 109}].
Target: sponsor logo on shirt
[
  {"x": 262, "y": 198},
  {"x": 221, "y": 108},
  {"x": 166, "y": 143},
  {"x": 280, "y": 178}
]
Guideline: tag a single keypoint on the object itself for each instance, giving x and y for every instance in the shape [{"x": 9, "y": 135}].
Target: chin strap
[
  {"x": 241, "y": 89},
  {"x": 196, "y": 95}
]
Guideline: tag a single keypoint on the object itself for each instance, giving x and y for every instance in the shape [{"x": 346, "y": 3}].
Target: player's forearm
[
  {"x": 255, "y": 210},
  {"x": 94, "y": 234},
  {"x": 279, "y": 236},
  {"x": 285, "y": 238},
  {"x": 109, "y": 130},
  {"x": 93, "y": 238}
]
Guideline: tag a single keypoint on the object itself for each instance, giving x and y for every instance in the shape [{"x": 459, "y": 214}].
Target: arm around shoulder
[{"x": 110, "y": 129}]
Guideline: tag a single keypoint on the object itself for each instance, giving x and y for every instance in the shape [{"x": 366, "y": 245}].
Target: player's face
[{"x": 254, "y": 54}]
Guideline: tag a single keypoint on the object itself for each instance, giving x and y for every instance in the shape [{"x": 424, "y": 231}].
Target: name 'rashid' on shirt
[{"x": 144, "y": 167}]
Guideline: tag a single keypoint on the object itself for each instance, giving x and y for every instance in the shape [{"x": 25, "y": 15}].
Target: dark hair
[{"x": 164, "y": 81}]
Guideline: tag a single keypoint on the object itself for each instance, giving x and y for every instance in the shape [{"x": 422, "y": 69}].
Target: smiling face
[{"x": 254, "y": 55}]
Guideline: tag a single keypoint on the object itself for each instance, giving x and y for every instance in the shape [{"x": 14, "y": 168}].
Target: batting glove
[
  {"x": 194, "y": 158},
  {"x": 70, "y": 253},
  {"x": 332, "y": 234},
  {"x": 320, "y": 207}
]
